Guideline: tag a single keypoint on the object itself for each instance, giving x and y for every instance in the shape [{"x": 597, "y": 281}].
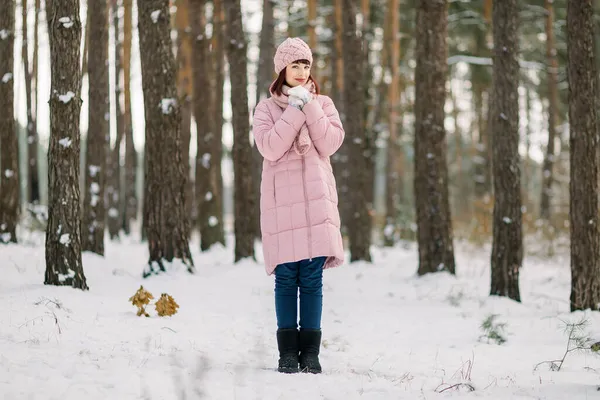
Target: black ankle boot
[
  {"x": 287, "y": 343},
  {"x": 310, "y": 343}
]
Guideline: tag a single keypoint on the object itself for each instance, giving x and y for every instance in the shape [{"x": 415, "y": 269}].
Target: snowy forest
[{"x": 468, "y": 185}]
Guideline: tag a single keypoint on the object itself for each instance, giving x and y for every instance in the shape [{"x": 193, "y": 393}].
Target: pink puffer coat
[{"x": 298, "y": 197}]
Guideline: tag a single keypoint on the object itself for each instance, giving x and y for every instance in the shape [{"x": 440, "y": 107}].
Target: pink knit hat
[{"x": 292, "y": 49}]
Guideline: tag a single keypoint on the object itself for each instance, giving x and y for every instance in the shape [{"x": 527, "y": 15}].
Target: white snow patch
[
  {"x": 94, "y": 169},
  {"x": 167, "y": 105},
  {"x": 393, "y": 353},
  {"x": 213, "y": 221},
  {"x": 65, "y": 239},
  {"x": 66, "y": 22},
  {"x": 206, "y": 160},
  {"x": 94, "y": 198},
  {"x": 95, "y": 188},
  {"x": 208, "y": 196},
  {"x": 9, "y": 173},
  {"x": 113, "y": 212},
  {"x": 7, "y": 77},
  {"x": 65, "y": 142},
  {"x": 154, "y": 15},
  {"x": 69, "y": 275},
  {"x": 507, "y": 220},
  {"x": 4, "y": 34},
  {"x": 67, "y": 97}
]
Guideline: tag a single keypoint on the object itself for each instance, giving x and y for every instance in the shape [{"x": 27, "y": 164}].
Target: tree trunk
[
  {"x": 552, "y": 65},
  {"x": 209, "y": 220},
  {"x": 526, "y": 175},
  {"x": 92, "y": 238},
  {"x": 215, "y": 207},
  {"x": 113, "y": 167},
  {"x": 32, "y": 177},
  {"x": 244, "y": 198},
  {"x": 507, "y": 245},
  {"x": 131, "y": 201},
  {"x": 583, "y": 117},
  {"x": 9, "y": 151},
  {"x": 312, "y": 35},
  {"x": 359, "y": 222},
  {"x": 184, "y": 87},
  {"x": 434, "y": 223},
  {"x": 339, "y": 160},
  {"x": 267, "y": 52},
  {"x": 264, "y": 79},
  {"x": 167, "y": 226},
  {"x": 63, "y": 233},
  {"x": 394, "y": 149}
]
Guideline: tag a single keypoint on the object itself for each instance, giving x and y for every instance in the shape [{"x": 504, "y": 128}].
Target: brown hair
[{"x": 277, "y": 86}]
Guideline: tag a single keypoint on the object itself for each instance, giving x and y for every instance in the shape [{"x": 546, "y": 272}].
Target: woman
[{"x": 296, "y": 130}]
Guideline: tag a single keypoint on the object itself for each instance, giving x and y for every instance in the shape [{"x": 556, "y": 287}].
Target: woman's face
[{"x": 297, "y": 74}]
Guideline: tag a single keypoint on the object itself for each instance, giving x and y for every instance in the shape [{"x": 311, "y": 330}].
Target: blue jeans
[{"x": 306, "y": 275}]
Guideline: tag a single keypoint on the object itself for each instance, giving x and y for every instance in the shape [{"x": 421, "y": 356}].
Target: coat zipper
[{"x": 306, "y": 209}]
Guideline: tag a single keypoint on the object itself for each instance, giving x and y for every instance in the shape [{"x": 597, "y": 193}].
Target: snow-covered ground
[{"x": 387, "y": 334}]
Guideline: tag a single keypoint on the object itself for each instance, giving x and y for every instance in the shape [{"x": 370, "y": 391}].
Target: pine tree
[
  {"x": 507, "y": 246},
  {"x": 63, "y": 232},
  {"x": 434, "y": 223},
  {"x": 167, "y": 225},
  {"x": 9, "y": 166},
  {"x": 359, "y": 221},
  {"x": 244, "y": 197},
  {"x": 94, "y": 215},
  {"x": 583, "y": 117}
]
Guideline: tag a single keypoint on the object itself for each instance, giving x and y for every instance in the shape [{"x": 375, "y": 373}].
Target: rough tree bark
[
  {"x": 130, "y": 209},
  {"x": 184, "y": 88},
  {"x": 113, "y": 167},
  {"x": 359, "y": 222},
  {"x": 209, "y": 221},
  {"x": 244, "y": 197},
  {"x": 434, "y": 222},
  {"x": 167, "y": 225},
  {"x": 94, "y": 214},
  {"x": 583, "y": 117},
  {"x": 63, "y": 232},
  {"x": 552, "y": 67},
  {"x": 9, "y": 152},
  {"x": 507, "y": 244}
]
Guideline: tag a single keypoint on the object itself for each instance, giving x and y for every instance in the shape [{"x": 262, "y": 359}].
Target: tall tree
[
  {"x": 583, "y": 117},
  {"x": 507, "y": 245},
  {"x": 209, "y": 218},
  {"x": 113, "y": 156},
  {"x": 94, "y": 215},
  {"x": 263, "y": 81},
  {"x": 63, "y": 232},
  {"x": 434, "y": 223},
  {"x": 30, "y": 93},
  {"x": 184, "y": 87},
  {"x": 244, "y": 196},
  {"x": 33, "y": 180},
  {"x": 266, "y": 51},
  {"x": 9, "y": 163},
  {"x": 129, "y": 211},
  {"x": 359, "y": 222},
  {"x": 167, "y": 225},
  {"x": 552, "y": 68},
  {"x": 394, "y": 150},
  {"x": 216, "y": 229}
]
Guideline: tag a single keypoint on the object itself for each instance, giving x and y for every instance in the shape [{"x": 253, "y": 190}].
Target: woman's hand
[
  {"x": 295, "y": 102},
  {"x": 301, "y": 93}
]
